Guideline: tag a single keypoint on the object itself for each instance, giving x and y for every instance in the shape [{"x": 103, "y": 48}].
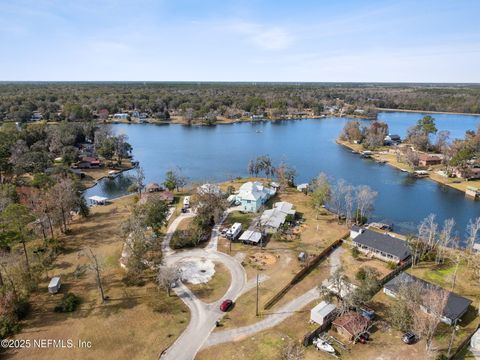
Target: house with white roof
[{"x": 252, "y": 195}]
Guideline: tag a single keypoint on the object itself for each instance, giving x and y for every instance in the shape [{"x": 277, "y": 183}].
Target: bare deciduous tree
[
  {"x": 365, "y": 197},
  {"x": 473, "y": 233},
  {"x": 167, "y": 277},
  {"x": 96, "y": 266},
  {"x": 429, "y": 314}
]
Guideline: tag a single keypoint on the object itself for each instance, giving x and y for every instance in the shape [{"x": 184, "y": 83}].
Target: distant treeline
[{"x": 85, "y": 100}]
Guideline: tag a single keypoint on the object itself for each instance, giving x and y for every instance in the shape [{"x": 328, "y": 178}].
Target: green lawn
[{"x": 243, "y": 218}]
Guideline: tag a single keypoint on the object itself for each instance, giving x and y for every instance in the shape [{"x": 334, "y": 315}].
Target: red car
[{"x": 226, "y": 305}]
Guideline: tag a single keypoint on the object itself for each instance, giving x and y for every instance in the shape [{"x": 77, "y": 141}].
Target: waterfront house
[
  {"x": 456, "y": 305},
  {"x": 253, "y": 195},
  {"x": 153, "y": 187},
  {"x": 468, "y": 173},
  {"x": 382, "y": 246},
  {"x": 429, "y": 159},
  {"x": 88, "y": 162},
  {"x": 350, "y": 325},
  {"x": 392, "y": 139},
  {"x": 284, "y": 207},
  {"x": 272, "y": 219}
]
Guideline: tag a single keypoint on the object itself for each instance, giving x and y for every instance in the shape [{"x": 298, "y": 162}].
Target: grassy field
[
  {"x": 215, "y": 288},
  {"x": 351, "y": 265},
  {"x": 132, "y": 323}
]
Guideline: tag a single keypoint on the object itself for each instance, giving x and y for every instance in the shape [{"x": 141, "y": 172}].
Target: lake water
[{"x": 221, "y": 152}]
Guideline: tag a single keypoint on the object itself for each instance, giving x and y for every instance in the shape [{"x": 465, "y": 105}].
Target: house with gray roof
[
  {"x": 455, "y": 307},
  {"x": 272, "y": 219},
  {"x": 382, "y": 246}
]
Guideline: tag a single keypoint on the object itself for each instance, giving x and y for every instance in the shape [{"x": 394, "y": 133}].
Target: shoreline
[
  {"x": 426, "y": 112},
  {"x": 431, "y": 175},
  {"x": 225, "y": 121},
  {"x": 96, "y": 180}
]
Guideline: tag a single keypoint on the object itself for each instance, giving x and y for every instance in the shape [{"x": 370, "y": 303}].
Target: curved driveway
[{"x": 203, "y": 316}]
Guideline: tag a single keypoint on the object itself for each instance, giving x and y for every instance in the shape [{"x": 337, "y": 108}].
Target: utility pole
[{"x": 256, "y": 304}]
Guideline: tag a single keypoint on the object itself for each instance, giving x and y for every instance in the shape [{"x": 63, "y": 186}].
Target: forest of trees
[{"x": 84, "y": 101}]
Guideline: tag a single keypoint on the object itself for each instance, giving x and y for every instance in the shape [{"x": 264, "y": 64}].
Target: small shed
[
  {"x": 54, "y": 285},
  {"x": 323, "y": 313},
  {"x": 153, "y": 187},
  {"x": 303, "y": 187}
]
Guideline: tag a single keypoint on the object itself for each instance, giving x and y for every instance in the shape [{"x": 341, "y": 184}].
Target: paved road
[
  {"x": 203, "y": 316},
  {"x": 270, "y": 321}
]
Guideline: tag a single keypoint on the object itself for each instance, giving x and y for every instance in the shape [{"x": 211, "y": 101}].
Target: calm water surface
[{"x": 220, "y": 152}]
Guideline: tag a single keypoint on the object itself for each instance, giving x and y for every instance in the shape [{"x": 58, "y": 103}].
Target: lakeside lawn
[{"x": 136, "y": 316}]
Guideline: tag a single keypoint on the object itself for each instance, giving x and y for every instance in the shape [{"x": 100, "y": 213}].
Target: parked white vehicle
[
  {"x": 186, "y": 202},
  {"x": 234, "y": 231}
]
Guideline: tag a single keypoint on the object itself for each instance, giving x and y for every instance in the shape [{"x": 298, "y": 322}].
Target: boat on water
[
  {"x": 113, "y": 173},
  {"x": 420, "y": 173},
  {"x": 324, "y": 346}
]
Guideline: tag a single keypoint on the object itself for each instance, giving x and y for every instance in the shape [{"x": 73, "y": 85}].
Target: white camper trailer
[{"x": 234, "y": 231}]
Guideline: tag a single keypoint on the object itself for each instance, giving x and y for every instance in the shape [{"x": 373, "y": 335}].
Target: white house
[{"x": 252, "y": 195}]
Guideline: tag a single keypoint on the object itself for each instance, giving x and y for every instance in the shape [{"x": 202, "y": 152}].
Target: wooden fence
[{"x": 304, "y": 272}]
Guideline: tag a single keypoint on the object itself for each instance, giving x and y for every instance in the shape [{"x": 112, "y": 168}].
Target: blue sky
[{"x": 271, "y": 40}]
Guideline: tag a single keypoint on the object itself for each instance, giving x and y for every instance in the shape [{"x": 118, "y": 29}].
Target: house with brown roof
[
  {"x": 429, "y": 159},
  {"x": 469, "y": 173},
  {"x": 350, "y": 325},
  {"x": 88, "y": 162}
]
